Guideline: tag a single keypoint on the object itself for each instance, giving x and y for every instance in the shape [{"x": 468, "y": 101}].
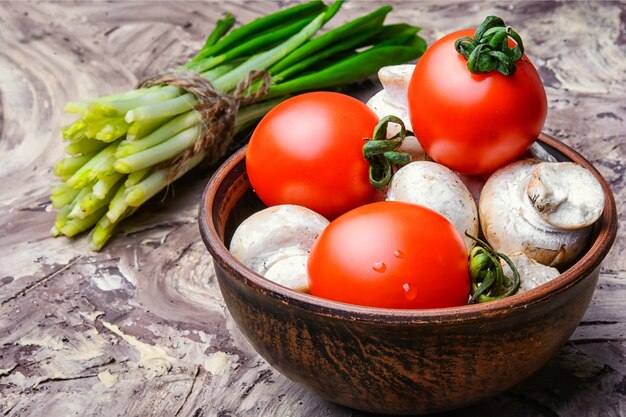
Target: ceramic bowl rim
[{"x": 577, "y": 272}]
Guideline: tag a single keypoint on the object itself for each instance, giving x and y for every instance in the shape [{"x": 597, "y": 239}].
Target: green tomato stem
[
  {"x": 381, "y": 153},
  {"x": 489, "y": 49},
  {"x": 488, "y": 282}
]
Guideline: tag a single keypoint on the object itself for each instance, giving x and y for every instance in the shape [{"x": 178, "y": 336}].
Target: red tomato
[
  {"x": 307, "y": 151},
  {"x": 473, "y": 123},
  {"x": 393, "y": 255}
]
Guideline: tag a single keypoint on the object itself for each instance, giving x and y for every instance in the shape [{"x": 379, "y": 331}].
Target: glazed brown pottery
[{"x": 398, "y": 361}]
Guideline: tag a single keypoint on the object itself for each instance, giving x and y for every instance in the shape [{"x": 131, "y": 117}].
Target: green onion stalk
[{"x": 121, "y": 147}]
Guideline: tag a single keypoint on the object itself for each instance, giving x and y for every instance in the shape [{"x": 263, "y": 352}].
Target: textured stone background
[{"x": 141, "y": 329}]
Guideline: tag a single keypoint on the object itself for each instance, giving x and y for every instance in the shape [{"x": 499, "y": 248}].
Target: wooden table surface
[{"x": 140, "y": 328}]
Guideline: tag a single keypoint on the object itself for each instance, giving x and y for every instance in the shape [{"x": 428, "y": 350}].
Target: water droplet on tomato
[
  {"x": 409, "y": 292},
  {"x": 398, "y": 254},
  {"x": 379, "y": 266}
]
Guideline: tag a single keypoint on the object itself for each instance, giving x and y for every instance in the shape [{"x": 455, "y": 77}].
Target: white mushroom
[
  {"x": 395, "y": 79},
  {"x": 434, "y": 186},
  {"x": 275, "y": 242},
  {"x": 511, "y": 223},
  {"x": 392, "y": 100},
  {"x": 532, "y": 273},
  {"x": 566, "y": 195}
]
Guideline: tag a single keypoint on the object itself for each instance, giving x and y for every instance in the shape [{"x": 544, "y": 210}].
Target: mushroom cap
[
  {"x": 395, "y": 80},
  {"x": 275, "y": 239},
  {"x": 383, "y": 106},
  {"x": 290, "y": 272},
  {"x": 565, "y": 194},
  {"x": 511, "y": 224},
  {"x": 437, "y": 187},
  {"x": 532, "y": 273}
]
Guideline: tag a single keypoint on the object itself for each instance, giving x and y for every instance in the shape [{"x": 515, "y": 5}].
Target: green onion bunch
[{"x": 119, "y": 146}]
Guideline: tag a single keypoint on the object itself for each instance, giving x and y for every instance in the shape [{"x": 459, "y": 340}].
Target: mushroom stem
[{"x": 565, "y": 195}]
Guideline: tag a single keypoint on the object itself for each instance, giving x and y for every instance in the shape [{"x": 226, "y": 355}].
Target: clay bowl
[{"x": 397, "y": 361}]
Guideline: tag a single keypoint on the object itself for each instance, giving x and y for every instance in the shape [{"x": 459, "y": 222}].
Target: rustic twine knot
[{"x": 218, "y": 111}]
